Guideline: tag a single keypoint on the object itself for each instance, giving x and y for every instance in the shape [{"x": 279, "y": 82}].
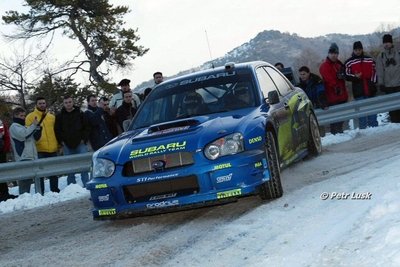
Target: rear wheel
[
  {"x": 273, "y": 188},
  {"x": 314, "y": 137}
]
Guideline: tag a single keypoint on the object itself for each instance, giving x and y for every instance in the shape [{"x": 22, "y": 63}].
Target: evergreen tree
[
  {"x": 96, "y": 24},
  {"x": 55, "y": 88}
]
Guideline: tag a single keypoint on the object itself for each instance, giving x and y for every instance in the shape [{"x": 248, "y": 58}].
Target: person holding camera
[
  {"x": 388, "y": 69},
  {"x": 332, "y": 71},
  {"x": 47, "y": 145},
  {"x": 23, "y": 143}
]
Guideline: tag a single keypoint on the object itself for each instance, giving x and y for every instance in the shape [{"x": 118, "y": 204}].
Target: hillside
[{"x": 290, "y": 49}]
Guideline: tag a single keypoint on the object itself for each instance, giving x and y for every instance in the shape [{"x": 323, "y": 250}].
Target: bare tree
[{"x": 18, "y": 75}]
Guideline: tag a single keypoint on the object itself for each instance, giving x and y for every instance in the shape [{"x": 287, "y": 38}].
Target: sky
[
  {"x": 302, "y": 228},
  {"x": 175, "y": 30}
]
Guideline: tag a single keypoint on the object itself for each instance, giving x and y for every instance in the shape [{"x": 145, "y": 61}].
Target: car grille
[
  {"x": 180, "y": 186},
  {"x": 143, "y": 165}
]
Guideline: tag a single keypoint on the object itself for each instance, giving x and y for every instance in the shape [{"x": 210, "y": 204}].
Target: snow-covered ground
[
  {"x": 32, "y": 200},
  {"x": 345, "y": 213}
]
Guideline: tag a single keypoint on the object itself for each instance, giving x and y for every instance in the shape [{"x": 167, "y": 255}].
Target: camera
[
  {"x": 340, "y": 75},
  {"x": 390, "y": 61}
]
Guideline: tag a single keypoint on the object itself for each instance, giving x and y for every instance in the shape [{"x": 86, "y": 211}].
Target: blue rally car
[{"x": 203, "y": 138}]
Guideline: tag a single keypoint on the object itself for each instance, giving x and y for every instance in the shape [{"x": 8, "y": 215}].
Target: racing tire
[
  {"x": 314, "y": 137},
  {"x": 272, "y": 188}
]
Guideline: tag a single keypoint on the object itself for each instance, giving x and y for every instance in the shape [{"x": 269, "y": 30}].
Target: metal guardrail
[
  {"x": 358, "y": 108},
  {"x": 15, "y": 171},
  {"x": 35, "y": 169}
]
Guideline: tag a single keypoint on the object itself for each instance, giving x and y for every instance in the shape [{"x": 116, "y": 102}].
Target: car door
[
  {"x": 279, "y": 112},
  {"x": 291, "y": 134}
]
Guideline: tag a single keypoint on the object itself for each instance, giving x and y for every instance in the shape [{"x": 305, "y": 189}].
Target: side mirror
[{"x": 273, "y": 97}]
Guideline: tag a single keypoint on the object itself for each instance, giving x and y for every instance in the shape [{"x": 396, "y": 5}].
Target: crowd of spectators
[{"x": 42, "y": 134}]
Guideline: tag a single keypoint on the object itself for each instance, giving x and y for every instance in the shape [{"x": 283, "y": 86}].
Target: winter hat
[
  {"x": 124, "y": 82},
  {"x": 387, "y": 38},
  {"x": 333, "y": 49},
  {"x": 357, "y": 45}
]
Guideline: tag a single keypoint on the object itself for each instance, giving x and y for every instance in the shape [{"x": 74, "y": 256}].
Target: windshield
[{"x": 200, "y": 95}]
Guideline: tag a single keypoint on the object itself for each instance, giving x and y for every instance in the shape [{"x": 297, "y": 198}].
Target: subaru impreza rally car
[{"x": 203, "y": 138}]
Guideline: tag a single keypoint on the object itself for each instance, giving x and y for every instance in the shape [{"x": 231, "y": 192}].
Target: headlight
[
  {"x": 228, "y": 145},
  {"x": 103, "y": 167}
]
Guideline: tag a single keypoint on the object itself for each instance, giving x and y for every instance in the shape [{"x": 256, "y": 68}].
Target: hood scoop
[{"x": 172, "y": 126}]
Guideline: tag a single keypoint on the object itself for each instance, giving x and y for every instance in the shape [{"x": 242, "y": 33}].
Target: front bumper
[{"x": 203, "y": 183}]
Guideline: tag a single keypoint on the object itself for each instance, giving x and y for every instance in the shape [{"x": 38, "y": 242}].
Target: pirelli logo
[
  {"x": 230, "y": 193},
  {"x": 107, "y": 212}
]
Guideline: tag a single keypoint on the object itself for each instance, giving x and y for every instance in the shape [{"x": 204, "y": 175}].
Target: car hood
[{"x": 190, "y": 134}]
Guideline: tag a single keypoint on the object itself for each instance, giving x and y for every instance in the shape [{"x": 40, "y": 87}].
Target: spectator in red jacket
[
  {"x": 5, "y": 146},
  {"x": 332, "y": 71},
  {"x": 360, "y": 70}
]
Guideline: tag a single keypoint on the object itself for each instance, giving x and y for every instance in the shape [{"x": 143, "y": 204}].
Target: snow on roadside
[
  {"x": 348, "y": 135},
  {"x": 33, "y": 200}
]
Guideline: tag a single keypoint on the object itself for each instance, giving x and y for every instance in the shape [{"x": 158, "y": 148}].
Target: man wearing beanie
[
  {"x": 360, "y": 70},
  {"x": 388, "y": 69},
  {"x": 332, "y": 71}
]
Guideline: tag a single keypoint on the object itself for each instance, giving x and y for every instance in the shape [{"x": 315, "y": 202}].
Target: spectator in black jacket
[
  {"x": 72, "y": 131},
  {"x": 109, "y": 118},
  {"x": 158, "y": 78},
  {"x": 126, "y": 111},
  {"x": 99, "y": 134},
  {"x": 313, "y": 86}
]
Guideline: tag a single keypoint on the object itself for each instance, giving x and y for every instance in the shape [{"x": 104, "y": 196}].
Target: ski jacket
[
  {"x": 388, "y": 67},
  {"x": 364, "y": 85},
  {"x": 48, "y": 141},
  {"x": 333, "y": 76},
  {"x": 22, "y": 141}
]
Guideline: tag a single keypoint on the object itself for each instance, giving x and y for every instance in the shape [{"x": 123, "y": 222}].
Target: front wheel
[
  {"x": 273, "y": 188},
  {"x": 314, "y": 137}
]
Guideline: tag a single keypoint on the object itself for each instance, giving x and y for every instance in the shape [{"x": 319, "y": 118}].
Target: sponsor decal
[
  {"x": 154, "y": 178},
  {"x": 222, "y": 166},
  {"x": 163, "y": 196},
  {"x": 255, "y": 140},
  {"x": 207, "y": 77},
  {"x": 225, "y": 178},
  {"x": 163, "y": 204},
  {"x": 107, "y": 212},
  {"x": 101, "y": 186},
  {"x": 171, "y": 130},
  {"x": 104, "y": 198},
  {"x": 230, "y": 193},
  {"x": 153, "y": 150},
  {"x": 258, "y": 164}
]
